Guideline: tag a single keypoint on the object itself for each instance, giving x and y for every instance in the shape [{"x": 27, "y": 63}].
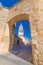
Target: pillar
[{"x": 4, "y": 30}]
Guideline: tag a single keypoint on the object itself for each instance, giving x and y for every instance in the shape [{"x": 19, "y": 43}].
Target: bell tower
[{"x": 20, "y": 31}]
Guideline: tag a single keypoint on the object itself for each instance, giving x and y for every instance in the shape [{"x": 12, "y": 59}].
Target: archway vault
[
  {"x": 33, "y": 29},
  {"x": 9, "y": 38},
  {"x": 11, "y": 24},
  {"x": 23, "y": 16}
]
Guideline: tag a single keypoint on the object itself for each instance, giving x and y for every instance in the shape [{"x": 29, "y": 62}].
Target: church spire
[{"x": 21, "y": 31}]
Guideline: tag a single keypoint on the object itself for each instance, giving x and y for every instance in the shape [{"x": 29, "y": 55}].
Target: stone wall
[
  {"x": 4, "y": 31},
  {"x": 37, "y": 31},
  {"x": 26, "y": 9}
]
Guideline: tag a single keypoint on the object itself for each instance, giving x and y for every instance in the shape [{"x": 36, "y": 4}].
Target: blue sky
[
  {"x": 26, "y": 27},
  {"x": 8, "y": 3}
]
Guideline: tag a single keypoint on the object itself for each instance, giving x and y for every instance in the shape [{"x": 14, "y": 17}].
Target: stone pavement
[
  {"x": 10, "y": 59},
  {"x": 23, "y": 51}
]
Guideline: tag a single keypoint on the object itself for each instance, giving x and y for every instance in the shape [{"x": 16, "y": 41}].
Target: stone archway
[
  {"x": 34, "y": 34},
  {"x": 11, "y": 24},
  {"x": 8, "y": 37},
  {"x": 35, "y": 10}
]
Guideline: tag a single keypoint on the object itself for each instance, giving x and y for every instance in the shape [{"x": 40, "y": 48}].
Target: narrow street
[{"x": 23, "y": 51}]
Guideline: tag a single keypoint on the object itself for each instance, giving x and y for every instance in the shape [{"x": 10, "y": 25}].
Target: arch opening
[{"x": 16, "y": 40}]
